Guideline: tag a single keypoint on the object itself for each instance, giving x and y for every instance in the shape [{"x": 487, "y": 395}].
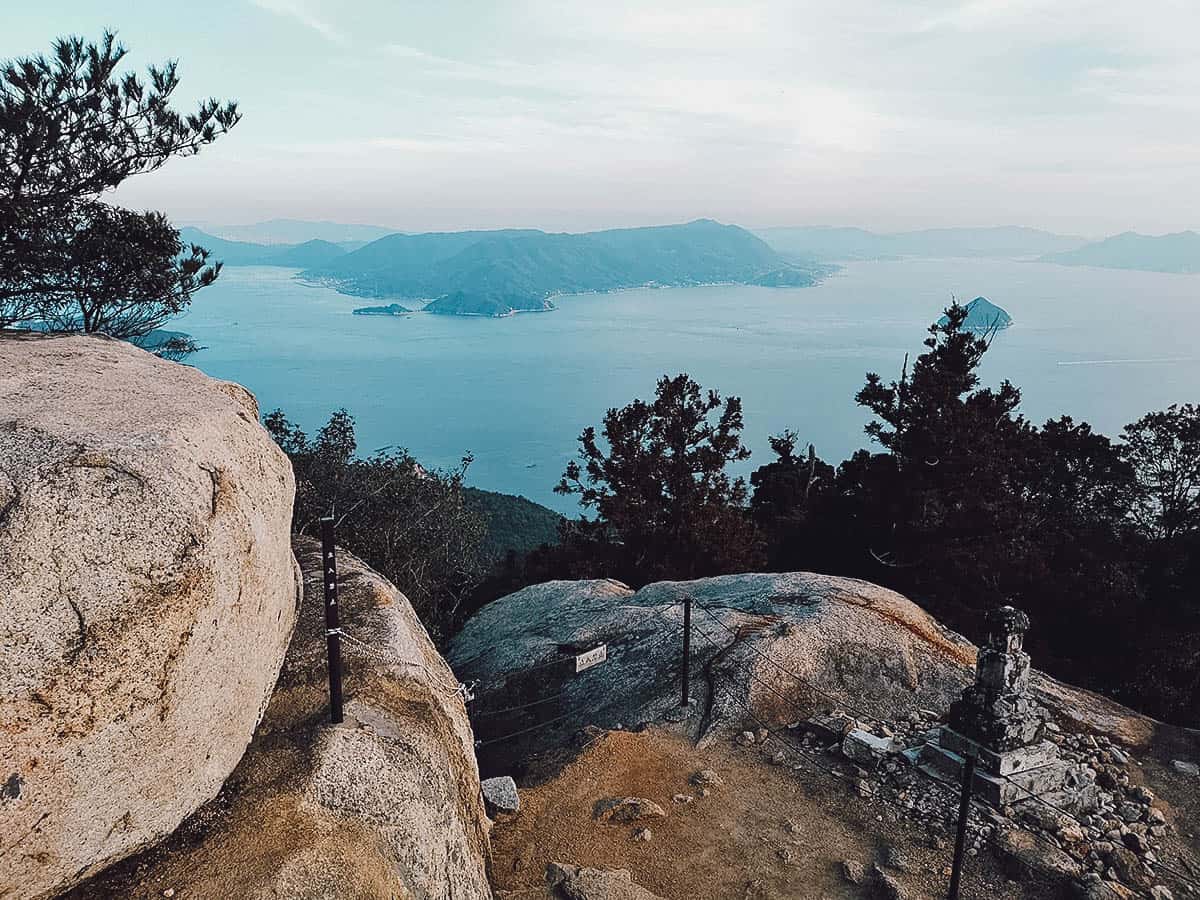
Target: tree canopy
[
  {"x": 71, "y": 127},
  {"x": 415, "y": 526},
  {"x": 656, "y": 481}
]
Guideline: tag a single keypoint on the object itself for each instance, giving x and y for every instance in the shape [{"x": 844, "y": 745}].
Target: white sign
[{"x": 590, "y": 658}]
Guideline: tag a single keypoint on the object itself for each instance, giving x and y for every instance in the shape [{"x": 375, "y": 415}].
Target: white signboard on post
[{"x": 590, "y": 658}]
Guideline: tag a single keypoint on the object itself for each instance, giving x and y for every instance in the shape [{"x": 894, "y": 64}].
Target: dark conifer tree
[
  {"x": 656, "y": 480},
  {"x": 71, "y": 127}
]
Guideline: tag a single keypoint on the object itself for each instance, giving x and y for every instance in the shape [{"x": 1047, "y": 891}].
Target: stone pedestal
[
  {"x": 1001, "y": 779},
  {"x": 998, "y": 723}
]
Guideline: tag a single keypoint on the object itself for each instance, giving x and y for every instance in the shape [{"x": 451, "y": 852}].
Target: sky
[{"x": 1079, "y": 116}]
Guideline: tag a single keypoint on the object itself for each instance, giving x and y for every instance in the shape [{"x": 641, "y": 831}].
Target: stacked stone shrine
[{"x": 999, "y": 723}]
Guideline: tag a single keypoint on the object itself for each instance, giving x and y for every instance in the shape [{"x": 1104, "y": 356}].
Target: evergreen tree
[
  {"x": 664, "y": 505},
  {"x": 71, "y": 127},
  {"x": 413, "y": 525}
]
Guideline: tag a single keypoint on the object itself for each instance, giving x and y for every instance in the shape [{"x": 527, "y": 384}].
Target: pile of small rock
[
  {"x": 1117, "y": 845},
  {"x": 1120, "y": 840}
]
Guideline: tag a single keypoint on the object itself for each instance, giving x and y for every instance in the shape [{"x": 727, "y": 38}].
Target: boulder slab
[
  {"x": 792, "y": 646},
  {"x": 386, "y": 805},
  {"x": 149, "y": 593}
]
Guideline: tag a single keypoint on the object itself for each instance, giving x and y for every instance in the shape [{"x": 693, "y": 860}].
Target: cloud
[{"x": 299, "y": 10}]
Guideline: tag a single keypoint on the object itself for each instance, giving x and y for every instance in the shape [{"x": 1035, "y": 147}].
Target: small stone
[
  {"x": 1135, "y": 842},
  {"x": 500, "y": 796},
  {"x": 682, "y": 798},
  {"x": 1128, "y": 868},
  {"x": 1130, "y": 812},
  {"x": 889, "y": 887},
  {"x": 1118, "y": 756},
  {"x": 852, "y": 871},
  {"x": 1185, "y": 768},
  {"x": 894, "y": 859},
  {"x": 643, "y": 835},
  {"x": 791, "y": 826},
  {"x": 624, "y": 810},
  {"x": 706, "y": 778},
  {"x": 1071, "y": 833},
  {"x": 865, "y": 788},
  {"x": 1159, "y": 892},
  {"x": 865, "y": 748},
  {"x": 779, "y": 758},
  {"x": 169, "y": 892},
  {"x": 763, "y": 734},
  {"x": 746, "y": 738}
]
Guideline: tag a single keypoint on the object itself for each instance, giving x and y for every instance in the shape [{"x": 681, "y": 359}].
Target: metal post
[
  {"x": 333, "y": 634},
  {"x": 687, "y": 648},
  {"x": 964, "y": 811}
]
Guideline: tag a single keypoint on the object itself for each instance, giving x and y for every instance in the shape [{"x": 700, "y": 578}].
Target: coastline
[{"x": 827, "y": 270}]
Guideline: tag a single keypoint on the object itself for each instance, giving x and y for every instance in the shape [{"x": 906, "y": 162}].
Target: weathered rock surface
[
  {"x": 386, "y": 805},
  {"x": 845, "y": 636},
  {"x": 574, "y": 883},
  {"x": 148, "y": 590},
  {"x": 849, "y": 642}
]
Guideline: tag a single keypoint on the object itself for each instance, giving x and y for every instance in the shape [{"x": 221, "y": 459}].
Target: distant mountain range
[
  {"x": 838, "y": 244},
  {"x": 240, "y": 253},
  {"x": 1179, "y": 252},
  {"x": 497, "y": 273},
  {"x": 297, "y": 231}
]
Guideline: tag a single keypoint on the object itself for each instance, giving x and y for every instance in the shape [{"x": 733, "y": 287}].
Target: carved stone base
[
  {"x": 1011, "y": 779},
  {"x": 1005, "y": 763}
]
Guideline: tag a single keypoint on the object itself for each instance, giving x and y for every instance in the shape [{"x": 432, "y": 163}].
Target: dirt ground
[{"x": 772, "y": 831}]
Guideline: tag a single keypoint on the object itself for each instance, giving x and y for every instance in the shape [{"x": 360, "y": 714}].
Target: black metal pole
[
  {"x": 687, "y": 648},
  {"x": 964, "y": 811},
  {"x": 333, "y": 634}
]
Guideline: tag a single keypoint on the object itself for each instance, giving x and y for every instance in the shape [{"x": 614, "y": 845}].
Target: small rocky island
[
  {"x": 392, "y": 309},
  {"x": 982, "y": 316}
]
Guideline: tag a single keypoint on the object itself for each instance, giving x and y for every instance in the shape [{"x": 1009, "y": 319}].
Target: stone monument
[{"x": 1003, "y": 727}]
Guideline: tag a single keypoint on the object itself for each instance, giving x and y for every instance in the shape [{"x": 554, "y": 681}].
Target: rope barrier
[
  {"x": 393, "y": 659},
  {"x": 648, "y": 641}
]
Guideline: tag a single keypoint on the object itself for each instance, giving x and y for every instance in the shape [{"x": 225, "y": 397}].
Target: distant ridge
[
  {"x": 1178, "y": 252},
  {"x": 1012, "y": 242},
  {"x": 298, "y": 231},
  {"x": 240, "y": 253},
  {"x": 498, "y": 273}
]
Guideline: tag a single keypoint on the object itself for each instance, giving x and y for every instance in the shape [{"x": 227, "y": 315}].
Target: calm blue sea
[{"x": 1101, "y": 345}]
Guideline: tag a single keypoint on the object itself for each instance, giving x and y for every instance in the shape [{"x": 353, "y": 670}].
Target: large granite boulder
[
  {"x": 785, "y": 645},
  {"x": 149, "y": 591},
  {"x": 385, "y": 805}
]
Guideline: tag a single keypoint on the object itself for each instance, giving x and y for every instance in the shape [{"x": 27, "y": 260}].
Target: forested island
[
  {"x": 392, "y": 309},
  {"x": 499, "y": 273},
  {"x": 983, "y": 316}
]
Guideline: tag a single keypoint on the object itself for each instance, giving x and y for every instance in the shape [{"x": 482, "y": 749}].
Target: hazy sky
[{"x": 1075, "y": 115}]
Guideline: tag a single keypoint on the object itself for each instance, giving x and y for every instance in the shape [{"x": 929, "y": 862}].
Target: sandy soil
[{"x": 735, "y": 843}]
